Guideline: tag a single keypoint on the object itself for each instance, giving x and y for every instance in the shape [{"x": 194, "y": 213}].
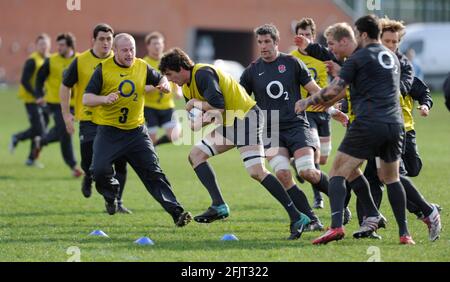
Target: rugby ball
[{"x": 195, "y": 113}]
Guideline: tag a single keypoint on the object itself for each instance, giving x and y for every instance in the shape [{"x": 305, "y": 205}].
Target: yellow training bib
[
  {"x": 128, "y": 111},
  {"x": 237, "y": 101},
  {"x": 24, "y": 95}
]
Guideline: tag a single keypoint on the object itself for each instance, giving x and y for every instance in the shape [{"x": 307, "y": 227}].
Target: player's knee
[
  {"x": 285, "y": 177},
  {"x": 306, "y": 168},
  {"x": 257, "y": 172},
  {"x": 311, "y": 175},
  {"x": 391, "y": 179},
  {"x": 353, "y": 175},
  {"x": 323, "y": 160},
  {"x": 281, "y": 166},
  {"x": 197, "y": 157},
  {"x": 254, "y": 174},
  {"x": 279, "y": 162},
  {"x": 254, "y": 163},
  {"x": 381, "y": 177},
  {"x": 388, "y": 177},
  {"x": 201, "y": 152},
  {"x": 101, "y": 172}
]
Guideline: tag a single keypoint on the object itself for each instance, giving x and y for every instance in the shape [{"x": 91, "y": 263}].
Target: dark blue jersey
[
  {"x": 276, "y": 86},
  {"x": 374, "y": 75}
]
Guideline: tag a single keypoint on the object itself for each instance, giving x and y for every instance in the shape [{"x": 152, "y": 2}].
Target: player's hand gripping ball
[{"x": 195, "y": 113}]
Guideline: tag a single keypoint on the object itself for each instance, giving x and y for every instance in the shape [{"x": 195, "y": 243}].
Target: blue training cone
[
  {"x": 144, "y": 241},
  {"x": 99, "y": 233},
  {"x": 229, "y": 237}
]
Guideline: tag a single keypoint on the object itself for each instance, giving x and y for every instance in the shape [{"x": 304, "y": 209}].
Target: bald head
[
  {"x": 125, "y": 49},
  {"x": 121, "y": 37}
]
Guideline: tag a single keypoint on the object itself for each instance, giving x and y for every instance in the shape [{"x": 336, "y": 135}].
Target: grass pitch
[{"x": 43, "y": 214}]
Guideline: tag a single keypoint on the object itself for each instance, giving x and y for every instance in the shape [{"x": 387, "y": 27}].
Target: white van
[{"x": 431, "y": 42}]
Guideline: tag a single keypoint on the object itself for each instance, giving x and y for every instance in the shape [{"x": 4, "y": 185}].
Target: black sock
[
  {"x": 121, "y": 177},
  {"x": 275, "y": 188},
  {"x": 317, "y": 195},
  {"x": 163, "y": 140},
  {"x": 397, "y": 198},
  {"x": 362, "y": 190},
  {"x": 301, "y": 202},
  {"x": 377, "y": 196},
  {"x": 377, "y": 193},
  {"x": 359, "y": 211},
  {"x": 413, "y": 195},
  {"x": 412, "y": 208},
  {"x": 323, "y": 183},
  {"x": 208, "y": 178},
  {"x": 120, "y": 167},
  {"x": 337, "y": 195},
  {"x": 349, "y": 194}
]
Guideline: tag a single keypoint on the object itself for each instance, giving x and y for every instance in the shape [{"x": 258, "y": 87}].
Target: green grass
[{"x": 42, "y": 211}]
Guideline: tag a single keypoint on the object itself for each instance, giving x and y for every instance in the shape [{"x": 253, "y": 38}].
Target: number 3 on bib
[{"x": 124, "y": 117}]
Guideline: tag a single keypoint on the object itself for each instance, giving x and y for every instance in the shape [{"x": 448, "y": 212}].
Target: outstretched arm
[{"x": 334, "y": 91}]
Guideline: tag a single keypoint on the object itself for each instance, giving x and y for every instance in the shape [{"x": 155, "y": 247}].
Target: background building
[
  {"x": 213, "y": 29},
  {"x": 207, "y": 29}
]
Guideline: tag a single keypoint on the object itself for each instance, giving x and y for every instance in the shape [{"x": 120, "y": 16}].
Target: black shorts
[
  {"x": 245, "y": 132},
  {"x": 365, "y": 140},
  {"x": 157, "y": 118},
  {"x": 293, "y": 138},
  {"x": 320, "y": 121},
  {"x": 88, "y": 130}
]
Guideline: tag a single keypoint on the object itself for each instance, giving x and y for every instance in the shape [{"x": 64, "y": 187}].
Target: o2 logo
[
  {"x": 127, "y": 88},
  {"x": 280, "y": 93},
  {"x": 313, "y": 73},
  {"x": 387, "y": 61}
]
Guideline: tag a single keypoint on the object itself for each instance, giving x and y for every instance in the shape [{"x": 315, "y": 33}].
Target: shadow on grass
[{"x": 9, "y": 177}]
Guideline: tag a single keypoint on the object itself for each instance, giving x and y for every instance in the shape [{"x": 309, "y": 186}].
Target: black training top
[
  {"x": 276, "y": 86},
  {"x": 374, "y": 73}
]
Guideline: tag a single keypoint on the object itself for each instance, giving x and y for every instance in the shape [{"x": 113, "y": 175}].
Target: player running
[
  {"x": 76, "y": 77},
  {"x": 26, "y": 94},
  {"x": 319, "y": 120},
  {"x": 117, "y": 90},
  {"x": 48, "y": 83},
  {"x": 377, "y": 130},
  {"x": 275, "y": 80},
  {"x": 241, "y": 122}
]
